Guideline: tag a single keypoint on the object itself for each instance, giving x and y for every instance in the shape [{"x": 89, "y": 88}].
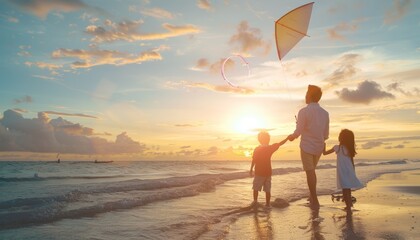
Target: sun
[{"x": 249, "y": 124}]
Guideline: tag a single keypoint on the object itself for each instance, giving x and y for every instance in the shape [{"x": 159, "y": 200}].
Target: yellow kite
[{"x": 291, "y": 28}]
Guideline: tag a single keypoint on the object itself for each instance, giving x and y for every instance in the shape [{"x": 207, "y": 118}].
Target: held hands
[{"x": 290, "y": 137}]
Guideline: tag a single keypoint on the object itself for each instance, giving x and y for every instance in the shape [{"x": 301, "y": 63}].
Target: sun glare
[
  {"x": 247, "y": 153},
  {"x": 249, "y": 124}
]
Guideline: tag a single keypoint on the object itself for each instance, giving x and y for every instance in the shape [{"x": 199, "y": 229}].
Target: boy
[{"x": 261, "y": 159}]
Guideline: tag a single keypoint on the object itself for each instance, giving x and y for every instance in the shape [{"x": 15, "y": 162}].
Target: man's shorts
[
  {"x": 309, "y": 161},
  {"x": 262, "y": 182}
]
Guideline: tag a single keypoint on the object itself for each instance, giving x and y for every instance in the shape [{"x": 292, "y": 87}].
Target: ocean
[{"x": 148, "y": 199}]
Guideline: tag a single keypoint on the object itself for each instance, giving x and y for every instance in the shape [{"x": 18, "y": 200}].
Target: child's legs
[
  {"x": 255, "y": 195},
  {"x": 267, "y": 190},
  {"x": 347, "y": 197},
  {"x": 267, "y": 198},
  {"x": 257, "y": 185}
]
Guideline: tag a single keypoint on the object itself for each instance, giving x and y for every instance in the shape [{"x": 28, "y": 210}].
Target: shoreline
[{"x": 388, "y": 207}]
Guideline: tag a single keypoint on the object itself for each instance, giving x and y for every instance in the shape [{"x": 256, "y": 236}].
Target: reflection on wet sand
[
  {"x": 345, "y": 223},
  {"x": 316, "y": 227},
  {"x": 263, "y": 224}
]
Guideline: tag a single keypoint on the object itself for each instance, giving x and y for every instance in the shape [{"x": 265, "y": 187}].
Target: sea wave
[
  {"x": 25, "y": 211},
  {"x": 38, "y": 178},
  {"x": 90, "y": 199},
  {"x": 361, "y": 164},
  {"x": 53, "y": 209}
]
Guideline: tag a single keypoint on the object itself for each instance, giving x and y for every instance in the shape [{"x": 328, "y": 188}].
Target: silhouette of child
[
  {"x": 261, "y": 159},
  {"x": 346, "y": 174}
]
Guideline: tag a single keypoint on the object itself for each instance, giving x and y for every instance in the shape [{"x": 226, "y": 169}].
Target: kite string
[
  {"x": 286, "y": 79},
  {"x": 286, "y": 82}
]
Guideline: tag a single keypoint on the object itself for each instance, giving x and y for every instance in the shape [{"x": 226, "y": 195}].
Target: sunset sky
[{"x": 140, "y": 79}]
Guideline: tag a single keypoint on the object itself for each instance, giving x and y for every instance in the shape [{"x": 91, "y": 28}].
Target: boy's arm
[
  {"x": 252, "y": 166},
  {"x": 277, "y": 145},
  {"x": 284, "y": 141}
]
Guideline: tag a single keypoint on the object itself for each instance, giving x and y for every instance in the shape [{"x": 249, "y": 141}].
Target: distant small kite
[
  {"x": 289, "y": 30},
  {"x": 223, "y": 69}
]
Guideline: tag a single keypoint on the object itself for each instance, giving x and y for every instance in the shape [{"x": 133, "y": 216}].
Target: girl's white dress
[{"x": 346, "y": 175}]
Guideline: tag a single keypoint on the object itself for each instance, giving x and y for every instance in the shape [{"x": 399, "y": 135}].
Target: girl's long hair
[{"x": 346, "y": 139}]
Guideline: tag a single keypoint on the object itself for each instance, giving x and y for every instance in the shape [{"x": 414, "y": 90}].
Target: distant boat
[{"x": 96, "y": 161}]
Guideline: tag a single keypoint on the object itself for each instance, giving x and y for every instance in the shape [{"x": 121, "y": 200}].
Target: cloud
[
  {"x": 388, "y": 141},
  {"x": 398, "y": 10},
  {"x": 87, "y": 17},
  {"x": 345, "y": 69},
  {"x": 366, "y": 92},
  {"x": 44, "y": 77},
  {"x": 392, "y": 139},
  {"x": 204, "y": 64},
  {"x": 399, "y": 146},
  {"x": 9, "y": 18},
  {"x": 127, "y": 31},
  {"x": 341, "y": 7},
  {"x": 96, "y": 57},
  {"x": 24, "y": 99},
  {"x": 204, "y": 4},
  {"x": 70, "y": 114},
  {"x": 216, "y": 88},
  {"x": 42, "y": 134},
  {"x": 201, "y": 63},
  {"x": 43, "y": 65},
  {"x": 69, "y": 127},
  {"x": 23, "y": 51},
  {"x": 191, "y": 153},
  {"x": 213, "y": 150},
  {"x": 41, "y": 8},
  {"x": 351, "y": 118},
  {"x": 217, "y": 66},
  {"x": 248, "y": 40},
  {"x": 124, "y": 144},
  {"x": 337, "y": 32},
  {"x": 370, "y": 145},
  {"x": 396, "y": 86},
  {"x": 157, "y": 13},
  {"x": 185, "y": 125},
  {"x": 20, "y": 110},
  {"x": 12, "y": 20}
]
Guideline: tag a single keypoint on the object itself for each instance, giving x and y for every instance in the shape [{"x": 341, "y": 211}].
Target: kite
[
  {"x": 291, "y": 28},
  {"x": 223, "y": 69}
]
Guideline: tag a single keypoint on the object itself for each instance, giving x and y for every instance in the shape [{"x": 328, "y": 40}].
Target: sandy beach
[{"x": 387, "y": 208}]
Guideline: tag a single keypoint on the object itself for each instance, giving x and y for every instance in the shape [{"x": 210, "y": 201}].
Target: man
[{"x": 313, "y": 125}]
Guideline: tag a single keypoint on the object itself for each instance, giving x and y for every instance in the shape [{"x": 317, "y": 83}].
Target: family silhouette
[{"x": 312, "y": 126}]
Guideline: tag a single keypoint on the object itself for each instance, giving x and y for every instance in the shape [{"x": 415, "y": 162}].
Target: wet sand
[{"x": 388, "y": 208}]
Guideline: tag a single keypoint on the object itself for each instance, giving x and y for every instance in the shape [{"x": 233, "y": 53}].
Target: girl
[{"x": 346, "y": 175}]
